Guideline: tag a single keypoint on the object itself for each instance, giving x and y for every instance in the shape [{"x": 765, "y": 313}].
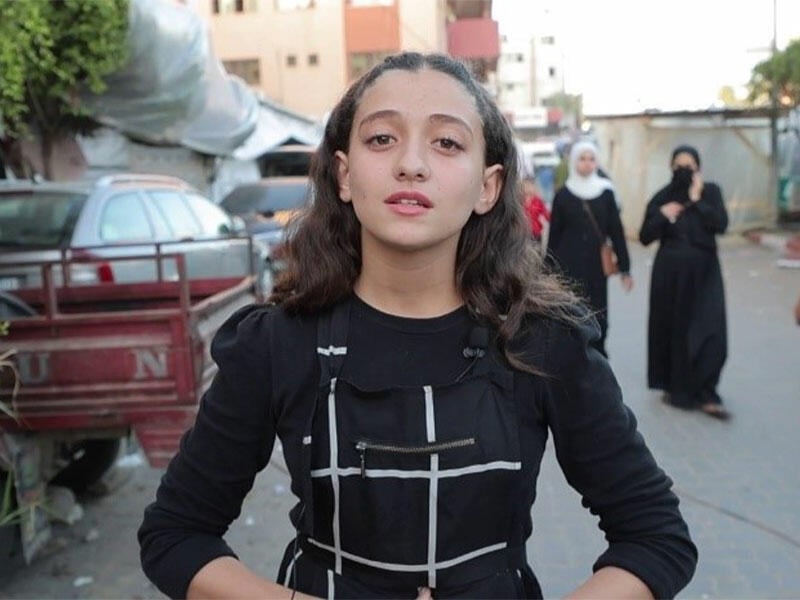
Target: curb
[{"x": 787, "y": 244}]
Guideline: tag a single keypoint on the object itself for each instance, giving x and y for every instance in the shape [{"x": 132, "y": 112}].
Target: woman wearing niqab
[
  {"x": 584, "y": 211},
  {"x": 687, "y": 332}
]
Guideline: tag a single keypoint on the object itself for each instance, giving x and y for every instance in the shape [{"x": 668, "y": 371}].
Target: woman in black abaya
[{"x": 687, "y": 333}]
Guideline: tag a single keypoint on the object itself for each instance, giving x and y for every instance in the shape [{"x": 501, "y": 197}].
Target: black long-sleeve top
[
  {"x": 698, "y": 224},
  {"x": 268, "y": 373}
]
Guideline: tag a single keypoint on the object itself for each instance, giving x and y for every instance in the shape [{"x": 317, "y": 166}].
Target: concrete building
[
  {"x": 303, "y": 53},
  {"x": 529, "y": 71}
]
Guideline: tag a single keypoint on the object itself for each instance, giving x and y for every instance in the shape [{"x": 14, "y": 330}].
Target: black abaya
[
  {"x": 687, "y": 333},
  {"x": 574, "y": 246}
]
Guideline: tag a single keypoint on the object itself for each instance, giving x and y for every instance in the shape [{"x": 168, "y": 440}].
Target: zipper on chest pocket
[{"x": 364, "y": 445}]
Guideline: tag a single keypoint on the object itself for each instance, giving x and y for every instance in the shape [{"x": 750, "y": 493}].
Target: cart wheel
[
  {"x": 11, "y": 557},
  {"x": 89, "y": 461}
]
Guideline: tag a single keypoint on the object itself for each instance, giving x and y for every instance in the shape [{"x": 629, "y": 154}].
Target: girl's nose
[{"x": 412, "y": 164}]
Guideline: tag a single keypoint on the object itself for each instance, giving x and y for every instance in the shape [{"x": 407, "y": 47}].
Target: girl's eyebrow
[{"x": 434, "y": 118}]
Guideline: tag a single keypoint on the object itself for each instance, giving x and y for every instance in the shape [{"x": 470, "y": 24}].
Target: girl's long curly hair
[{"x": 499, "y": 272}]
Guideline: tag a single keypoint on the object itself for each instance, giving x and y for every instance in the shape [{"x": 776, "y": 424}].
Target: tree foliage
[
  {"x": 51, "y": 51},
  {"x": 781, "y": 70}
]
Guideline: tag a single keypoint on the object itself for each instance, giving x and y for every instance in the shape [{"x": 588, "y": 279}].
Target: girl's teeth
[{"x": 412, "y": 202}]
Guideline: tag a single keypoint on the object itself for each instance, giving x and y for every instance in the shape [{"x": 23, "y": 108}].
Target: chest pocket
[{"x": 416, "y": 481}]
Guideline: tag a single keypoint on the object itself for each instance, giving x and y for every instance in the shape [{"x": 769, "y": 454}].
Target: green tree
[
  {"x": 781, "y": 70},
  {"x": 50, "y": 52}
]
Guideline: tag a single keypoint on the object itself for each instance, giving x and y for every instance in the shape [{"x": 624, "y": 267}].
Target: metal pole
[{"x": 773, "y": 116}]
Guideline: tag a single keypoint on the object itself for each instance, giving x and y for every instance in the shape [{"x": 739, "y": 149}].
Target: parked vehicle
[
  {"x": 266, "y": 206},
  {"x": 113, "y": 217},
  {"x": 85, "y": 365},
  {"x": 289, "y": 160}
]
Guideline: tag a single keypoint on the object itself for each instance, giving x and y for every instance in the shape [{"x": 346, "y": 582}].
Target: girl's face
[
  {"x": 587, "y": 164},
  {"x": 414, "y": 171},
  {"x": 684, "y": 159}
]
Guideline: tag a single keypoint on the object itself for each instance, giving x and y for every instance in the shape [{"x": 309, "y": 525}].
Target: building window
[
  {"x": 551, "y": 71},
  {"x": 233, "y": 6},
  {"x": 290, "y": 5},
  {"x": 361, "y": 62},
  {"x": 248, "y": 69},
  {"x": 548, "y": 40},
  {"x": 291, "y": 60},
  {"x": 313, "y": 60}
]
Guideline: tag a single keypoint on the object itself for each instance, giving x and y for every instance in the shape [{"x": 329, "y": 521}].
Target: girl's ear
[
  {"x": 492, "y": 184},
  {"x": 343, "y": 175}
]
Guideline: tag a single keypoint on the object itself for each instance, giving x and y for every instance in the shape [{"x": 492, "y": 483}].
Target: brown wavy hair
[{"x": 499, "y": 272}]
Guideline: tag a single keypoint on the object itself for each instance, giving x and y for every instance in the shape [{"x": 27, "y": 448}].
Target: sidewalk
[{"x": 786, "y": 241}]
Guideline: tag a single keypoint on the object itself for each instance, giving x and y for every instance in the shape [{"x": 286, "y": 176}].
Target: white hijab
[{"x": 585, "y": 188}]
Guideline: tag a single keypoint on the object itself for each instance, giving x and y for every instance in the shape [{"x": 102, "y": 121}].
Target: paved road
[{"x": 739, "y": 482}]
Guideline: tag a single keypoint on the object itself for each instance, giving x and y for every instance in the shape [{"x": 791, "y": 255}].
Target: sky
[{"x": 631, "y": 55}]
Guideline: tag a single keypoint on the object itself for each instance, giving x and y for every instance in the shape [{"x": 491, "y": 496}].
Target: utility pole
[{"x": 774, "y": 178}]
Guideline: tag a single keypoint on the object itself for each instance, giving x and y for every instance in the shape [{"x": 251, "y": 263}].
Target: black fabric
[
  {"x": 267, "y": 383},
  {"x": 573, "y": 248},
  {"x": 471, "y": 421},
  {"x": 687, "y": 331},
  {"x": 688, "y": 150}
]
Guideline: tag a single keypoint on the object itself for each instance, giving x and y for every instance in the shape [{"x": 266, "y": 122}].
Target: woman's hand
[
  {"x": 672, "y": 210},
  {"x": 696, "y": 188},
  {"x": 627, "y": 282},
  {"x": 424, "y": 593}
]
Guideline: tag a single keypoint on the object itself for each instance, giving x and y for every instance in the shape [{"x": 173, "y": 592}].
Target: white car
[{"x": 117, "y": 216}]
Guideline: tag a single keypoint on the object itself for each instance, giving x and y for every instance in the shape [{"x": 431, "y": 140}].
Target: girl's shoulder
[
  {"x": 557, "y": 344},
  {"x": 255, "y": 329}
]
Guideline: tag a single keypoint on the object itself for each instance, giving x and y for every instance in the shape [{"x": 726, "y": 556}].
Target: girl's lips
[{"x": 409, "y": 199}]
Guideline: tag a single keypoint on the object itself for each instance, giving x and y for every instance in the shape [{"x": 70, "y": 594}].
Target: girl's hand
[
  {"x": 696, "y": 189},
  {"x": 424, "y": 593},
  {"x": 627, "y": 282},
  {"x": 672, "y": 211}
]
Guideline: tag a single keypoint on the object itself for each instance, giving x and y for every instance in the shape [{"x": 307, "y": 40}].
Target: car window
[
  {"x": 176, "y": 213},
  {"x": 213, "y": 219},
  {"x": 38, "y": 218},
  {"x": 124, "y": 219}
]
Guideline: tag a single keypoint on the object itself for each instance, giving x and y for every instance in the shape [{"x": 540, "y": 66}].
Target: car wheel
[{"x": 88, "y": 462}]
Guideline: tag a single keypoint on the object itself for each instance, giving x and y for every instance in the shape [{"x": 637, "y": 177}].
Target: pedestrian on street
[
  {"x": 687, "y": 332},
  {"x": 583, "y": 218},
  {"x": 797, "y": 311},
  {"x": 535, "y": 209},
  {"x": 411, "y": 362}
]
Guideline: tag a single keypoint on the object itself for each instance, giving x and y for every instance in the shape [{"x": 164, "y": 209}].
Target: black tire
[
  {"x": 11, "y": 557},
  {"x": 90, "y": 461}
]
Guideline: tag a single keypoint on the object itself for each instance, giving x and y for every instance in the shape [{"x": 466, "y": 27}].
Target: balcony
[{"x": 476, "y": 38}]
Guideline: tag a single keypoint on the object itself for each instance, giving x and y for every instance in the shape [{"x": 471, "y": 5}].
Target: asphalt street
[{"x": 738, "y": 481}]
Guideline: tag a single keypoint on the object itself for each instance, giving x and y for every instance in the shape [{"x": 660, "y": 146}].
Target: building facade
[{"x": 304, "y": 53}]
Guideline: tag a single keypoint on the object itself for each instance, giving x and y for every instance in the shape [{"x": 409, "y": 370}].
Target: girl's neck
[{"x": 416, "y": 287}]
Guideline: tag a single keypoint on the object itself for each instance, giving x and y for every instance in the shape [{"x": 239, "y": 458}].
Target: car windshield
[
  {"x": 266, "y": 198},
  {"x": 33, "y": 219}
]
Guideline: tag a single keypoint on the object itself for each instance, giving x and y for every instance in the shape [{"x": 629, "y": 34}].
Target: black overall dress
[{"x": 409, "y": 487}]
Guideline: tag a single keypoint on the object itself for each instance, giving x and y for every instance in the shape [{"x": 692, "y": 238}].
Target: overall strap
[{"x": 332, "y": 329}]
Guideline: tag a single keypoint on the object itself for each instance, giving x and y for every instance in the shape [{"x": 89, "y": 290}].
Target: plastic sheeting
[
  {"x": 174, "y": 91},
  {"x": 276, "y": 127}
]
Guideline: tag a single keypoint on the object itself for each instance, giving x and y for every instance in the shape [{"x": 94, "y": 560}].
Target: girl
[
  {"x": 411, "y": 363},
  {"x": 585, "y": 214}
]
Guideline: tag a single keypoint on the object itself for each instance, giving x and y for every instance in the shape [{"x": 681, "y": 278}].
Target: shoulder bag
[{"x": 608, "y": 257}]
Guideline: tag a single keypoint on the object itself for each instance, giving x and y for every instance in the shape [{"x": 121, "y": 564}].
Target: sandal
[{"x": 713, "y": 409}]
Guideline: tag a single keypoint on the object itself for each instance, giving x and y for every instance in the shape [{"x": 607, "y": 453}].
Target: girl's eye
[
  {"x": 380, "y": 139},
  {"x": 449, "y": 144}
]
